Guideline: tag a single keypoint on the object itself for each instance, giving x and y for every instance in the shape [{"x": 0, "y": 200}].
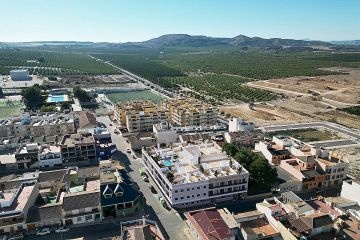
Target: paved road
[
  {"x": 93, "y": 232},
  {"x": 169, "y": 220},
  {"x": 334, "y": 144}
]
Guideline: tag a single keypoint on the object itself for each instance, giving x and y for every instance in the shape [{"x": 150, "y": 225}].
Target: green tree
[
  {"x": 33, "y": 96},
  {"x": 49, "y": 108},
  {"x": 230, "y": 149},
  {"x": 65, "y": 105},
  {"x": 262, "y": 174},
  {"x": 81, "y": 94}
]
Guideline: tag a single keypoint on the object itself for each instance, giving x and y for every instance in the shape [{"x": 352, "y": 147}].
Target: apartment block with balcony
[
  {"x": 188, "y": 112},
  {"x": 139, "y": 116},
  {"x": 335, "y": 168},
  {"x": 15, "y": 204},
  {"x": 78, "y": 149},
  {"x": 43, "y": 124},
  {"x": 193, "y": 175}
]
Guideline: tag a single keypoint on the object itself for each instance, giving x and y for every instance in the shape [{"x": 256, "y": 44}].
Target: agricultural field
[
  {"x": 51, "y": 63},
  {"x": 222, "y": 73},
  {"x": 135, "y": 95},
  {"x": 352, "y": 110},
  {"x": 222, "y": 87}
]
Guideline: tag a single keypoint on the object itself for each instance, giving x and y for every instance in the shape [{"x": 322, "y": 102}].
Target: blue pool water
[
  {"x": 168, "y": 163},
  {"x": 56, "y": 98}
]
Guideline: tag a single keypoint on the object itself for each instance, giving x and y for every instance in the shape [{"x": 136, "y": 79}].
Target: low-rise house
[
  {"x": 118, "y": 196},
  {"x": 310, "y": 178},
  {"x": 85, "y": 121},
  {"x": 26, "y": 156},
  {"x": 141, "y": 139},
  {"x": 82, "y": 207},
  {"x": 294, "y": 204},
  {"x": 49, "y": 156},
  {"x": 47, "y": 215},
  {"x": 272, "y": 154},
  {"x": 246, "y": 138},
  {"x": 141, "y": 229},
  {"x": 207, "y": 224},
  {"x": 311, "y": 225}
]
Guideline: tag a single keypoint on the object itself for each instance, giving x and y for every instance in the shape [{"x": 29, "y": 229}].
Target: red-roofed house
[{"x": 207, "y": 224}]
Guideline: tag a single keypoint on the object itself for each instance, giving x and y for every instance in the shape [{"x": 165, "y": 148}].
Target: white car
[
  {"x": 128, "y": 150},
  {"x": 62, "y": 229},
  {"x": 43, "y": 231}
]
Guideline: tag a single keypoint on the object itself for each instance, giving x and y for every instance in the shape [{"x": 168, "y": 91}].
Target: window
[
  {"x": 88, "y": 217},
  {"x": 176, "y": 199},
  {"x": 79, "y": 219},
  {"x": 188, "y": 197},
  {"x": 193, "y": 196},
  {"x": 198, "y": 187},
  {"x": 204, "y": 194},
  {"x": 182, "y": 190},
  {"x": 204, "y": 186},
  {"x": 198, "y": 195},
  {"x": 182, "y": 198},
  {"x": 176, "y": 191},
  {"x": 188, "y": 189}
]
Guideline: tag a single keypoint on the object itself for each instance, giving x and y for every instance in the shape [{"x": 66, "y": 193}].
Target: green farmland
[{"x": 135, "y": 95}]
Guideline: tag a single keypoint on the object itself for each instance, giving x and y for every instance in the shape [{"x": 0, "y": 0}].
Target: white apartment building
[
  {"x": 37, "y": 125},
  {"x": 49, "y": 156},
  {"x": 165, "y": 134},
  {"x": 192, "y": 175},
  {"x": 237, "y": 124},
  {"x": 351, "y": 190}
]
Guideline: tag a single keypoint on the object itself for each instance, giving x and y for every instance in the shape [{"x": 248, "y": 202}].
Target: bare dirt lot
[
  {"x": 352, "y": 154},
  {"x": 263, "y": 114},
  {"x": 339, "y": 88}
]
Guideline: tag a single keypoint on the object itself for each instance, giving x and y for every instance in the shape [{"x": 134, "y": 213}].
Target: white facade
[
  {"x": 219, "y": 180},
  {"x": 165, "y": 134},
  {"x": 237, "y": 124},
  {"x": 19, "y": 75},
  {"x": 49, "y": 156},
  {"x": 351, "y": 191}
]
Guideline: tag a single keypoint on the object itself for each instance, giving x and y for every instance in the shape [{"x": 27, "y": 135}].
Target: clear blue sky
[{"x": 137, "y": 20}]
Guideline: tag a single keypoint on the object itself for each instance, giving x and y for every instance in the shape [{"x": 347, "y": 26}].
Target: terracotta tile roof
[
  {"x": 209, "y": 223},
  {"x": 85, "y": 119}
]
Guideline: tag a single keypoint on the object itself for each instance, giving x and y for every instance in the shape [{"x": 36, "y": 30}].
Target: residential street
[{"x": 168, "y": 220}]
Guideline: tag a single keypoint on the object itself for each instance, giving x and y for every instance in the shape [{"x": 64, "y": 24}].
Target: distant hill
[
  {"x": 184, "y": 40},
  {"x": 238, "y": 41},
  {"x": 346, "y": 42}
]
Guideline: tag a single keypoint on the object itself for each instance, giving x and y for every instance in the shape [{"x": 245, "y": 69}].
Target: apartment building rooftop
[
  {"x": 79, "y": 138},
  {"x": 14, "y": 200},
  {"x": 187, "y": 105},
  {"x": 193, "y": 163},
  {"x": 137, "y": 105},
  {"x": 45, "y": 149},
  {"x": 40, "y": 119}
]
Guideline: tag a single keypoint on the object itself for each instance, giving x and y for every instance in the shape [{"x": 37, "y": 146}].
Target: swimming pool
[
  {"x": 57, "y": 98},
  {"x": 167, "y": 163}
]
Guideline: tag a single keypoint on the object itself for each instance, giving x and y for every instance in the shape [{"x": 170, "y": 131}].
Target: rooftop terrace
[{"x": 193, "y": 163}]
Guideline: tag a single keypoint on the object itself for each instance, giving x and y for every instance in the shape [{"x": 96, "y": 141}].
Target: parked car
[
  {"x": 128, "y": 150},
  {"x": 43, "y": 231},
  {"x": 152, "y": 189},
  {"x": 62, "y": 229},
  {"x": 16, "y": 236},
  {"x": 145, "y": 178}
]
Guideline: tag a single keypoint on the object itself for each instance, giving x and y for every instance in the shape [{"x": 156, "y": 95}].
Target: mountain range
[{"x": 185, "y": 40}]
